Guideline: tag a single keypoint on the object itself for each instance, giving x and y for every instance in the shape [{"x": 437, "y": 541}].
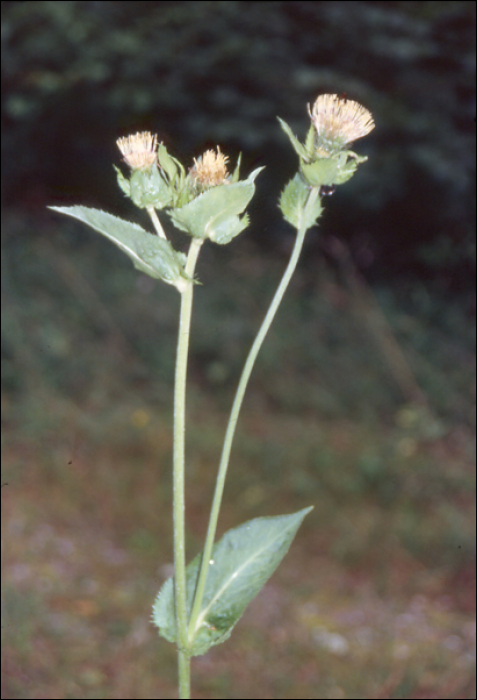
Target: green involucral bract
[
  {"x": 171, "y": 166},
  {"x": 175, "y": 176},
  {"x": 149, "y": 189},
  {"x": 146, "y": 188},
  {"x": 150, "y": 254},
  {"x": 215, "y": 213}
]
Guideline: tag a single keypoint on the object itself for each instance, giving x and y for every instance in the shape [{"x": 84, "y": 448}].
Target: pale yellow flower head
[
  {"x": 338, "y": 122},
  {"x": 210, "y": 169},
  {"x": 139, "y": 150}
]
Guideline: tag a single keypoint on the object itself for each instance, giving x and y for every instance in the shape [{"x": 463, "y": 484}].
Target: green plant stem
[
  {"x": 195, "y": 622},
  {"x": 180, "y": 584},
  {"x": 157, "y": 224}
]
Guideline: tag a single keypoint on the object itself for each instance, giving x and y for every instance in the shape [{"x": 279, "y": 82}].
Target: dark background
[
  {"x": 363, "y": 398},
  {"x": 75, "y": 75}
]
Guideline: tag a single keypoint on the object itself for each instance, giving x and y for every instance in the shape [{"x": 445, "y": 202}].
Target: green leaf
[
  {"x": 236, "y": 173},
  {"x": 150, "y": 254},
  {"x": 334, "y": 170},
  {"x": 123, "y": 182},
  {"x": 214, "y": 214},
  {"x": 310, "y": 142},
  {"x": 293, "y": 204},
  {"x": 170, "y": 165},
  {"x": 242, "y": 562},
  {"x": 227, "y": 228},
  {"x": 293, "y": 199},
  {"x": 323, "y": 171},
  {"x": 348, "y": 163},
  {"x": 299, "y": 148}
]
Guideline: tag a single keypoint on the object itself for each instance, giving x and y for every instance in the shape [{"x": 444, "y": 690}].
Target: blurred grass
[{"x": 377, "y": 595}]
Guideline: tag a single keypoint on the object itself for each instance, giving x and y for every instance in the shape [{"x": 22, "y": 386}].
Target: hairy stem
[
  {"x": 236, "y": 406},
  {"x": 180, "y": 584}
]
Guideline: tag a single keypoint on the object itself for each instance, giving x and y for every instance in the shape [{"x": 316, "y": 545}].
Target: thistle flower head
[
  {"x": 338, "y": 122},
  {"x": 139, "y": 150},
  {"x": 210, "y": 169}
]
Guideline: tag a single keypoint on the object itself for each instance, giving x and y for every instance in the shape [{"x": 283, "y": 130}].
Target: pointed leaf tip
[
  {"x": 243, "y": 561},
  {"x": 150, "y": 254}
]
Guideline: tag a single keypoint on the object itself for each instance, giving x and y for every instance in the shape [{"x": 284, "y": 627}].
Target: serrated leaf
[
  {"x": 167, "y": 162},
  {"x": 236, "y": 172},
  {"x": 242, "y": 562},
  {"x": 334, "y": 170},
  {"x": 299, "y": 148},
  {"x": 293, "y": 199},
  {"x": 323, "y": 171},
  {"x": 310, "y": 141},
  {"x": 312, "y": 213},
  {"x": 150, "y": 254},
  {"x": 293, "y": 204},
  {"x": 227, "y": 229},
  {"x": 214, "y": 214},
  {"x": 348, "y": 164},
  {"x": 123, "y": 182}
]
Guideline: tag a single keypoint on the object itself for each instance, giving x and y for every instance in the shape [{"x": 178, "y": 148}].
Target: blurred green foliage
[{"x": 77, "y": 318}]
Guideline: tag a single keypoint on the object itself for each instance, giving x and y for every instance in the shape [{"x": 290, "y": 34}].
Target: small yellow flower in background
[
  {"x": 210, "y": 169},
  {"x": 338, "y": 122},
  {"x": 139, "y": 150},
  {"x": 140, "y": 418}
]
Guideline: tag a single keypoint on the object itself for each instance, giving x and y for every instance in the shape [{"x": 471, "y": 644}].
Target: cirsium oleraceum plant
[{"x": 199, "y": 606}]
